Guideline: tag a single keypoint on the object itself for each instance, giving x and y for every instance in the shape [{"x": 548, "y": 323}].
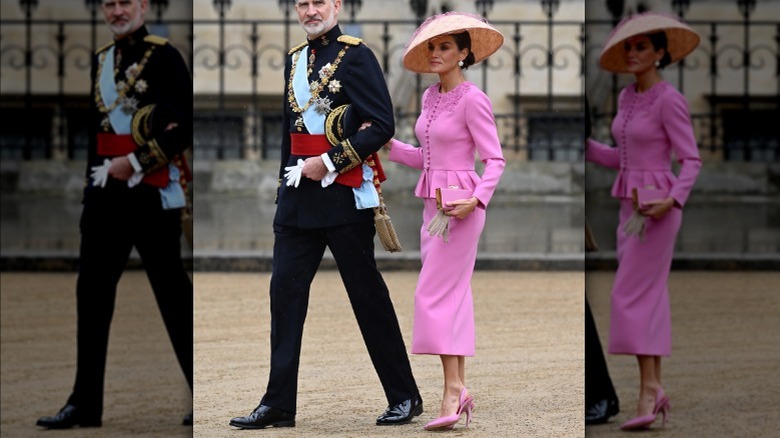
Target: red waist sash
[
  {"x": 114, "y": 145},
  {"x": 313, "y": 145}
]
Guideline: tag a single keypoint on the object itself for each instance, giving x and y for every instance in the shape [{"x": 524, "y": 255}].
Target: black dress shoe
[
  {"x": 264, "y": 416},
  {"x": 599, "y": 412},
  {"x": 67, "y": 417},
  {"x": 401, "y": 413},
  {"x": 187, "y": 421}
]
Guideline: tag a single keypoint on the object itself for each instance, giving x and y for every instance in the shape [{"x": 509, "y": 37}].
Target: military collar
[
  {"x": 328, "y": 38},
  {"x": 133, "y": 40}
]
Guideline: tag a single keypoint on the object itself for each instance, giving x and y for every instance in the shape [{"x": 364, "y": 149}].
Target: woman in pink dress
[
  {"x": 651, "y": 124},
  {"x": 456, "y": 123}
]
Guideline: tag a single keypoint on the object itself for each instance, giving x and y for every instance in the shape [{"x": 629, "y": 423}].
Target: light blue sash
[
  {"x": 172, "y": 195},
  {"x": 119, "y": 120},
  {"x": 315, "y": 122}
]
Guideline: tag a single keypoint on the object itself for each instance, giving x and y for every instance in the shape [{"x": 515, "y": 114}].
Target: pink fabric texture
[
  {"x": 649, "y": 128},
  {"x": 452, "y": 128}
]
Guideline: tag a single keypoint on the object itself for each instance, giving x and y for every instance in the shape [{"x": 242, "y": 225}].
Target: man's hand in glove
[{"x": 293, "y": 174}]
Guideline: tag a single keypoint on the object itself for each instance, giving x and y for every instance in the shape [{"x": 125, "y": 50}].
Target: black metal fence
[
  {"x": 47, "y": 64},
  {"x": 731, "y": 81},
  {"x": 44, "y": 77}
]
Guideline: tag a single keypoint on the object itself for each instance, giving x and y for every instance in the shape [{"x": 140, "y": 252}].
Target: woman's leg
[
  {"x": 658, "y": 370},
  {"x": 462, "y": 369},
  {"x": 452, "y": 385},
  {"x": 650, "y": 384}
]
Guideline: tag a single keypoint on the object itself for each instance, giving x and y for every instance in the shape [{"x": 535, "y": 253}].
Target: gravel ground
[
  {"x": 723, "y": 377},
  {"x": 526, "y": 377}
]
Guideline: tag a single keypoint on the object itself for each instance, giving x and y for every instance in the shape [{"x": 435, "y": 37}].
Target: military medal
[
  {"x": 129, "y": 105},
  {"x": 326, "y": 71},
  {"x": 105, "y": 123},
  {"x": 334, "y": 86},
  {"x": 313, "y": 86},
  {"x": 322, "y": 105},
  {"x": 141, "y": 86},
  {"x": 132, "y": 71},
  {"x": 299, "y": 123}
]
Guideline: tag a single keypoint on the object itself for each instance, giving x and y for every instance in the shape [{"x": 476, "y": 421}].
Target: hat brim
[
  {"x": 681, "y": 39},
  {"x": 485, "y": 40}
]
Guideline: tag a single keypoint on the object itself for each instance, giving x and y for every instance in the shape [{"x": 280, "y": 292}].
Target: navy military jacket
[
  {"x": 164, "y": 82},
  {"x": 362, "y": 84}
]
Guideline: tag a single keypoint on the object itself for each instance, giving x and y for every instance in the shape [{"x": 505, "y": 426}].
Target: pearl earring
[
  {"x": 460, "y": 63},
  {"x": 657, "y": 63}
]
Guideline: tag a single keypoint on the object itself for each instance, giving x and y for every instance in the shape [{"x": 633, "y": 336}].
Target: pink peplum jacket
[
  {"x": 453, "y": 126},
  {"x": 648, "y": 127}
]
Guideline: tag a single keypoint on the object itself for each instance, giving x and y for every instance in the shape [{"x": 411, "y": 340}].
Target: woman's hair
[
  {"x": 463, "y": 41},
  {"x": 659, "y": 41}
]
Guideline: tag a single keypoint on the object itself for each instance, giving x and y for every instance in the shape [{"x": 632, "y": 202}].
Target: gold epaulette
[
  {"x": 298, "y": 47},
  {"x": 349, "y": 39},
  {"x": 154, "y": 39},
  {"x": 104, "y": 47}
]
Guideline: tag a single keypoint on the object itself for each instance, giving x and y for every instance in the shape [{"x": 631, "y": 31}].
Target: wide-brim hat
[
  {"x": 485, "y": 39},
  {"x": 681, "y": 39}
]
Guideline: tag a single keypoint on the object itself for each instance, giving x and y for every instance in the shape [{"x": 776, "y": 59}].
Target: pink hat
[
  {"x": 485, "y": 39},
  {"x": 681, "y": 39}
]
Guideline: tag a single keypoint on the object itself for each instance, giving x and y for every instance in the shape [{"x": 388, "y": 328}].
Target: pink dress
[
  {"x": 452, "y": 127},
  {"x": 648, "y": 128}
]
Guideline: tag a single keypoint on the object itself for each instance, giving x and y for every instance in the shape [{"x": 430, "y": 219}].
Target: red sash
[
  {"x": 313, "y": 145},
  {"x": 114, "y": 145}
]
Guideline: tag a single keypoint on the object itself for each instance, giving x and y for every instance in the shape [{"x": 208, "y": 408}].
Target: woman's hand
[
  {"x": 388, "y": 145},
  {"x": 657, "y": 208},
  {"x": 463, "y": 207}
]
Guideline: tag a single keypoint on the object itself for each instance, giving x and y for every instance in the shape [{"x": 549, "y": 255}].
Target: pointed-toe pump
[
  {"x": 662, "y": 406},
  {"x": 465, "y": 404}
]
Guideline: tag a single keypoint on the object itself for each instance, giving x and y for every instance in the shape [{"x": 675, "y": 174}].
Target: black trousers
[
  {"x": 598, "y": 385},
  {"x": 297, "y": 255},
  {"x": 113, "y": 220}
]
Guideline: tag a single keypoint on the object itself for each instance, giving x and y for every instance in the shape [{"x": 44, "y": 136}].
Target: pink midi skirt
[
  {"x": 443, "y": 305},
  {"x": 640, "y": 317}
]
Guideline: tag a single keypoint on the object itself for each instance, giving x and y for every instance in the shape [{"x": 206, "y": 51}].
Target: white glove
[
  {"x": 135, "y": 179},
  {"x": 328, "y": 179},
  {"x": 293, "y": 174},
  {"x": 100, "y": 173}
]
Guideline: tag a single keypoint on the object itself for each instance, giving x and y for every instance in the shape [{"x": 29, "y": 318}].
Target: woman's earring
[
  {"x": 657, "y": 63},
  {"x": 460, "y": 63}
]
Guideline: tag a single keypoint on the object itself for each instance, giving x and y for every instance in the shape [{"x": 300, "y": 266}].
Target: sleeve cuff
[
  {"x": 134, "y": 162},
  {"x": 328, "y": 163}
]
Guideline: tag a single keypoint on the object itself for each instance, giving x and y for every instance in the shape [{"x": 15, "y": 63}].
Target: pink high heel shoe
[
  {"x": 465, "y": 404},
  {"x": 662, "y": 406}
]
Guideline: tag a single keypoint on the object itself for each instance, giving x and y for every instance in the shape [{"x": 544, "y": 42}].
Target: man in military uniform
[
  {"x": 324, "y": 200},
  {"x": 141, "y": 121}
]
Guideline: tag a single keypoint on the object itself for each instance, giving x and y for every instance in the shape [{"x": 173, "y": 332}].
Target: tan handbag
[{"x": 384, "y": 227}]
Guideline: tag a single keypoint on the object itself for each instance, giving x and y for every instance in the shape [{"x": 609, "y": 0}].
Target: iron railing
[{"x": 44, "y": 117}]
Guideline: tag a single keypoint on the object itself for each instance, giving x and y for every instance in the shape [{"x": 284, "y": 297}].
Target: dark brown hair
[
  {"x": 463, "y": 41},
  {"x": 659, "y": 41}
]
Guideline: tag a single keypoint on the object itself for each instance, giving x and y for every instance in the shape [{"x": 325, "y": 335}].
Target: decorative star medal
[
  {"x": 129, "y": 105},
  {"x": 334, "y": 86},
  {"x": 141, "y": 86},
  {"x": 322, "y": 105},
  {"x": 326, "y": 71}
]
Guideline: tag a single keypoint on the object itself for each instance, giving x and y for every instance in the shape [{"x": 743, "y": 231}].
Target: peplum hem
[
  {"x": 431, "y": 179},
  {"x": 628, "y": 179}
]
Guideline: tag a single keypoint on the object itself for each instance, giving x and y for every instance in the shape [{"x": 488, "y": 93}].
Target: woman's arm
[{"x": 482, "y": 126}]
